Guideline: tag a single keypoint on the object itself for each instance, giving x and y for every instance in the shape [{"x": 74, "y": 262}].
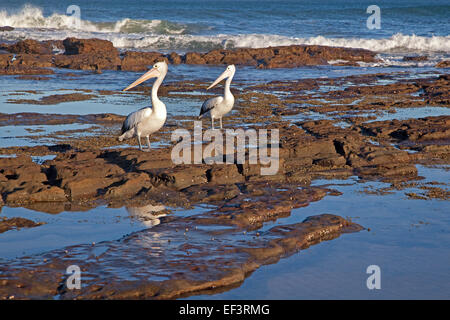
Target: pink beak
[
  {"x": 153, "y": 73},
  {"x": 224, "y": 75}
]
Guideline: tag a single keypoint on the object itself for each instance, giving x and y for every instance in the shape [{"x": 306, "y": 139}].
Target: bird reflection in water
[{"x": 149, "y": 215}]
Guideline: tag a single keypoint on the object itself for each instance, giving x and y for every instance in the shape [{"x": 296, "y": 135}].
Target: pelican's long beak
[
  {"x": 224, "y": 75},
  {"x": 148, "y": 75}
]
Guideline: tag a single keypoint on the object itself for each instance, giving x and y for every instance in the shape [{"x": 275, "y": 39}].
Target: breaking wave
[
  {"x": 398, "y": 42},
  {"x": 127, "y": 33},
  {"x": 33, "y": 17}
]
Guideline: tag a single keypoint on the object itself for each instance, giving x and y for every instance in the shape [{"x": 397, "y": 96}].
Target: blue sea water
[{"x": 413, "y": 26}]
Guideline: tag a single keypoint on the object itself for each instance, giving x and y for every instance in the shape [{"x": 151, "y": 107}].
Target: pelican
[
  {"x": 217, "y": 107},
  {"x": 146, "y": 121}
]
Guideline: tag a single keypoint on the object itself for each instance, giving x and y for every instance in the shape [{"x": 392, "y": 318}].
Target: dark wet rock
[
  {"x": 344, "y": 63},
  {"x": 82, "y": 166},
  {"x": 26, "y": 60},
  {"x": 83, "y": 176},
  {"x": 208, "y": 193},
  {"x": 395, "y": 88},
  {"x": 17, "y": 223},
  {"x": 436, "y": 91},
  {"x": 319, "y": 150},
  {"x": 239, "y": 211},
  {"x": 388, "y": 171},
  {"x": 443, "y": 64},
  {"x": 56, "y": 46},
  {"x": 97, "y": 54},
  {"x": 25, "y": 64},
  {"x": 423, "y": 129},
  {"x": 15, "y": 70},
  {"x": 49, "y": 194},
  {"x": 140, "y": 61},
  {"x": 131, "y": 184},
  {"x": 88, "y": 61},
  {"x": 194, "y": 58},
  {"x": 34, "y": 78},
  {"x": 30, "y": 192},
  {"x": 24, "y": 179},
  {"x": 175, "y": 58},
  {"x": 30, "y": 46},
  {"x": 55, "y": 99},
  {"x": 430, "y": 192},
  {"x": 6, "y": 28},
  {"x": 224, "y": 174},
  {"x": 415, "y": 58},
  {"x": 74, "y": 46},
  {"x": 280, "y": 57},
  {"x": 26, "y": 171},
  {"x": 86, "y": 54},
  {"x": 183, "y": 176},
  {"x": 86, "y": 188},
  {"x": 15, "y": 161},
  {"x": 188, "y": 264},
  {"x": 428, "y": 137},
  {"x": 30, "y": 118}
]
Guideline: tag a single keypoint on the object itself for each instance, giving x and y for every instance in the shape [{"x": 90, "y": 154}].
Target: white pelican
[
  {"x": 146, "y": 121},
  {"x": 217, "y": 107}
]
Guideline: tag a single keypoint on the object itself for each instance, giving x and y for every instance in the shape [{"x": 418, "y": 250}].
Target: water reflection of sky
[
  {"x": 19, "y": 135},
  {"x": 409, "y": 240},
  {"x": 77, "y": 227}
]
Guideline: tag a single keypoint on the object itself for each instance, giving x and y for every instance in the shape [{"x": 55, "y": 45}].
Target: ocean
[{"x": 416, "y": 26}]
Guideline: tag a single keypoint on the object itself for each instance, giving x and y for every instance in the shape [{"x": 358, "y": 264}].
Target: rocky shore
[
  {"x": 31, "y": 57},
  {"x": 34, "y": 57},
  {"x": 218, "y": 248}
]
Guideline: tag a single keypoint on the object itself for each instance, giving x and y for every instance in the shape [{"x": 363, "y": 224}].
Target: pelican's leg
[
  {"x": 139, "y": 141},
  {"x": 148, "y": 142},
  {"x": 212, "y": 123},
  {"x": 221, "y": 127}
]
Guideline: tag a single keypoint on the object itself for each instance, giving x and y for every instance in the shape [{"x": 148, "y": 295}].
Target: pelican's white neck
[
  {"x": 155, "y": 88},
  {"x": 227, "y": 92},
  {"x": 159, "y": 107}
]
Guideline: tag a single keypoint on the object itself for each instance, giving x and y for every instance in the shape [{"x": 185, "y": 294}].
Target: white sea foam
[
  {"x": 396, "y": 42},
  {"x": 32, "y": 17},
  {"x": 30, "y": 22}
]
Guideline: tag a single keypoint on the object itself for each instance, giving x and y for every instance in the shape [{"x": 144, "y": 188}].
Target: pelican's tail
[{"x": 125, "y": 127}]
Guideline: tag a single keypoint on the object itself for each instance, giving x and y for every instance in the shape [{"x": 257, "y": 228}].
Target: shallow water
[
  {"x": 412, "y": 113},
  {"x": 381, "y": 115},
  {"x": 408, "y": 240},
  {"x": 17, "y": 135},
  {"x": 77, "y": 227}
]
